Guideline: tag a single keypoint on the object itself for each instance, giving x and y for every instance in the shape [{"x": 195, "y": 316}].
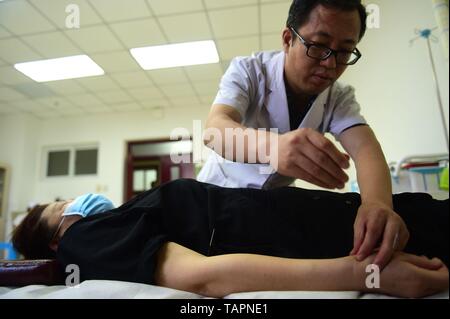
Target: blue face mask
[{"x": 88, "y": 204}]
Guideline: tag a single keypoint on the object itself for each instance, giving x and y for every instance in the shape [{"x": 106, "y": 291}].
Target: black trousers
[{"x": 298, "y": 223}]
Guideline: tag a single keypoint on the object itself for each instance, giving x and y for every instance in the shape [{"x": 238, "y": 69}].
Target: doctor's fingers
[
  {"x": 372, "y": 233},
  {"x": 299, "y": 172},
  {"x": 388, "y": 246},
  {"x": 318, "y": 172},
  {"x": 327, "y": 147},
  {"x": 358, "y": 237},
  {"x": 323, "y": 161}
]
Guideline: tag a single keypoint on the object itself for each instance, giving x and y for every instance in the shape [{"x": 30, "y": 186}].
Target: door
[
  {"x": 145, "y": 174},
  {"x": 4, "y": 176},
  {"x": 149, "y": 165}
]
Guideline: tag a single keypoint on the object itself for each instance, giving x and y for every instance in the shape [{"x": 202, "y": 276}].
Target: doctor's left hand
[{"x": 378, "y": 226}]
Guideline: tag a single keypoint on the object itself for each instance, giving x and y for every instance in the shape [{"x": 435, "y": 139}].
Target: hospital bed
[
  {"x": 420, "y": 173},
  {"x": 40, "y": 279},
  {"x": 45, "y": 273},
  {"x": 104, "y": 289}
]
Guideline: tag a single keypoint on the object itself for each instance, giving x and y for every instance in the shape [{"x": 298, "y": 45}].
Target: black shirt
[{"x": 296, "y": 113}]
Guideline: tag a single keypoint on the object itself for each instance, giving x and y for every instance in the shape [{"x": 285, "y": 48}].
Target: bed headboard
[{"x": 18, "y": 273}]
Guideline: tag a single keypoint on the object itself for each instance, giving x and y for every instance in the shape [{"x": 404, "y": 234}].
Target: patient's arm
[{"x": 218, "y": 276}]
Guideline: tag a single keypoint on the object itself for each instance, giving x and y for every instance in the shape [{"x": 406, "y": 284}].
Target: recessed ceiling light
[
  {"x": 175, "y": 55},
  {"x": 71, "y": 67}
]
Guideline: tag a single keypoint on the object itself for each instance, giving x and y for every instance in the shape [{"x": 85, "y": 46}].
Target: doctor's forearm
[
  {"x": 374, "y": 178},
  {"x": 236, "y": 142}
]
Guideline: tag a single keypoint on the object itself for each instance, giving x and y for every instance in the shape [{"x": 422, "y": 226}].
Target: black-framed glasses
[{"x": 322, "y": 52}]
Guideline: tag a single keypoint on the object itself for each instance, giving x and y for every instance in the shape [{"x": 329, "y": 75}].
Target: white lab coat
[{"x": 255, "y": 87}]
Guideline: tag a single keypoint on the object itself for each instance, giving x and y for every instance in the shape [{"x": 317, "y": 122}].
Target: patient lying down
[{"x": 215, "y": 241}]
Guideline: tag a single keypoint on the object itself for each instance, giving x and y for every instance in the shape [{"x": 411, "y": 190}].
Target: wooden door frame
[
  {"x": 128, "y": 158},
  {"x": 4, "y": 207}
]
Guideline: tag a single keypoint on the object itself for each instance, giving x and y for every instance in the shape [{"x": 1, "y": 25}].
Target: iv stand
[{"x": 427, "y": 33}]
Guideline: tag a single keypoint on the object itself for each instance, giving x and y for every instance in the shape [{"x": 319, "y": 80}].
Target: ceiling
[{"x": 35, "y": 29}]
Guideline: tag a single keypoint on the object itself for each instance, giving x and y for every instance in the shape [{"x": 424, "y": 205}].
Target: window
[
  {"x": 58, "y": 163},
  {"x": 71, "y": 161},
  {"x": 86, "y": 162}
]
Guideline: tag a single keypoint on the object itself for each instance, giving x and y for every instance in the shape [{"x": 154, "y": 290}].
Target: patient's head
[
  {"x": 34, "y": 235},
  {"x": 38, "y": 235}
]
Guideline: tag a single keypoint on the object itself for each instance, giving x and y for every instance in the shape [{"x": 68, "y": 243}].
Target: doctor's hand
[
  {"x": 378, "y": 227},
  {"x": 308, "y": 155}
]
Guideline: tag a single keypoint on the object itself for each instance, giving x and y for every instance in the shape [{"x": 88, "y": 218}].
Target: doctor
[{"x": 296, "y": 92}]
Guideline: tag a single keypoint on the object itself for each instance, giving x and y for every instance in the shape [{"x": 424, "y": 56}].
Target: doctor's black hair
[{"x": 301, "y": 9}]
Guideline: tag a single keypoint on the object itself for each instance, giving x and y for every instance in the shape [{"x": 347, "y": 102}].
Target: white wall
[
  {"x": 18, "y": 150},
  {"x": 111, "y": 132},
  {"x": 18, "y": 140},
  {"x": 394, "y": 82}
]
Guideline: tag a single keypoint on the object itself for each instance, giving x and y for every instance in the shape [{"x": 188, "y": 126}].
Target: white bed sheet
[{"x": 105, "y": 289}]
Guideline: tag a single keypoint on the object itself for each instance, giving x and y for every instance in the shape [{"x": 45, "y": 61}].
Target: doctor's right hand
[{"x": 308, "y": 155}]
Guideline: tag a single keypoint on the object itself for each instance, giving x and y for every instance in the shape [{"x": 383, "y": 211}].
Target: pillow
[{"x": 18, "y": 273}]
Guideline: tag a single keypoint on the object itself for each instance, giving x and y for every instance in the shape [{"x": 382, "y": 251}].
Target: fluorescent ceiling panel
[
  {"x": 71, "y": 67},
  {"x": 176, "y": 55}
]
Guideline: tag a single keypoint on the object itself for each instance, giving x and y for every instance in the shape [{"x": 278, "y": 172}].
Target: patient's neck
[{"x": 68, "y": 221}]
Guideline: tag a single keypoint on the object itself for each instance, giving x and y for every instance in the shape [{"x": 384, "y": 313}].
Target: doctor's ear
[{"x": 287, "y": 39}]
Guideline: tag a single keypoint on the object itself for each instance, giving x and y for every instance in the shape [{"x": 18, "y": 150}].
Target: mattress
[{"x": 105, "y": 289}]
